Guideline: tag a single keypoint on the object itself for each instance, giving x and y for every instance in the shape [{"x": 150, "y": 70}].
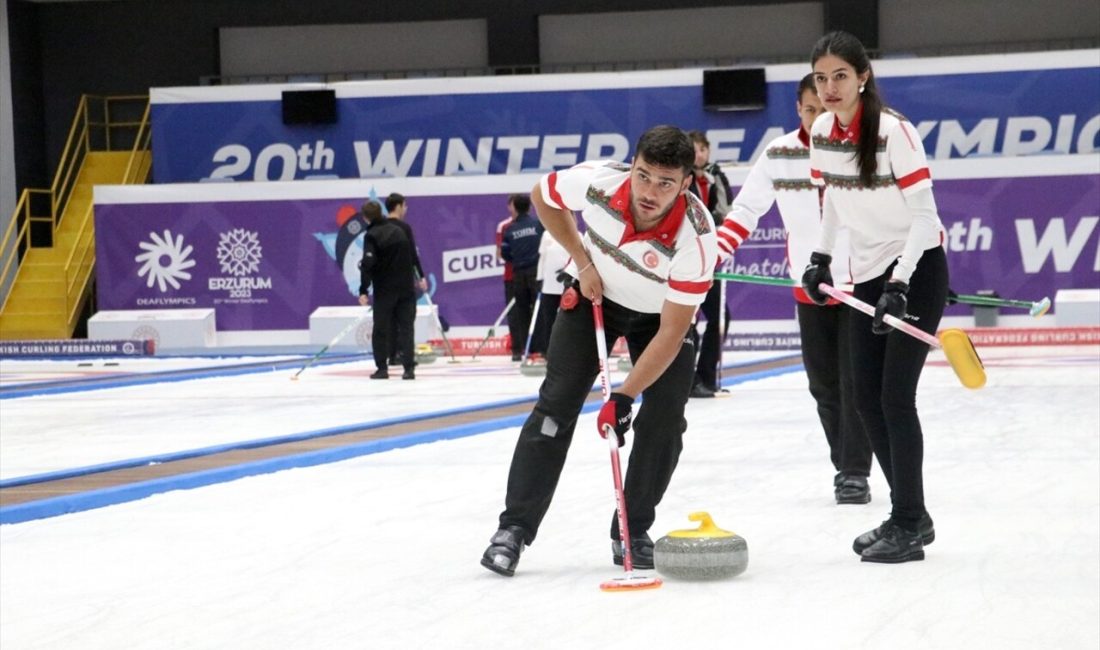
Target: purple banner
[
  {"x": 267, "y": 264},
  {"x": 1023, "y": 237}
]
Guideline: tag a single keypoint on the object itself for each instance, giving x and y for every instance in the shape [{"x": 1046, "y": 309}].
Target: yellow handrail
[
  {"x": 71, "y": 159},
  {"x": 79, "y": 270},
  {"x": 86, "y": 134},
  {"x": 17, "y": 237},
  {"x": 141, "y": 144}
]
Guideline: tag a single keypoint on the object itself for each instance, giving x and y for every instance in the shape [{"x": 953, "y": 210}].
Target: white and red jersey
[
  {"x": 782, "y": 175},
  {"x": 553, "y": 258},
  {"x": 640, "y": 270},
  {"x": 880, "y": 220}
]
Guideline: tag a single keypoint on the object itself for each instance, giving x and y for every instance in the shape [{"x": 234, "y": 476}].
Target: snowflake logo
[
  {"x": 239, "y": 252},
  {"x": 165, "y": 261}
]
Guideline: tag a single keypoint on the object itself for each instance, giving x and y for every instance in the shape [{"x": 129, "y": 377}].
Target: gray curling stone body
[{"x": 708, "y": 553}]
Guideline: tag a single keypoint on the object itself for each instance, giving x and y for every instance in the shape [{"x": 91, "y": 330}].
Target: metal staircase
[{"x": 47, "y": 254}]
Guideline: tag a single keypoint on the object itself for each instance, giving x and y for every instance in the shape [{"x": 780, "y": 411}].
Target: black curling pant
[
  {"x": 710, "y": 349},
  {"x": 548, "y": 311},
  {"x": 393, "y": 314},
  {"x": 546, "y": 435},
  {"x": 887, "y": 369},
  {"x": 828, "y": 362},
  {"x": 525, "y": 289}
]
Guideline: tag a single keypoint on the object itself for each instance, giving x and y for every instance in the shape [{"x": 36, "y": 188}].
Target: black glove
[
  {"x": 893, "y": 302},
  {"x": 952, "y": 297},
  {"x": 817, "y": 272},
  {"x": 616, "y": 415}
]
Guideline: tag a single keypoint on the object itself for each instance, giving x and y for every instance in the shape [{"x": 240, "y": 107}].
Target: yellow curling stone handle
[{"x": 706, "y": 528}]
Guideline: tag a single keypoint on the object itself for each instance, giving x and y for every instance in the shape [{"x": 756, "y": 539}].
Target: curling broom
[
  {"x": 629, "y": 581},
  {"x": 956, "y": 345}
]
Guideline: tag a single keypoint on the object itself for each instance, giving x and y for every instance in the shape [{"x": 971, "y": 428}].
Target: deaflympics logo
[{"x": 165, "y": 261}]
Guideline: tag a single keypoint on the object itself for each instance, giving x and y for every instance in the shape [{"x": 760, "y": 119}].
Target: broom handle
[
  {"x": 336, "y": 339},
  {"x": 438, "y": 323},
  {"x": 1037, "y": 308},
  {"x": 892, "y": 321},
  {"x": 613, "y": 442},
  {"x": 496, "y": 324}
]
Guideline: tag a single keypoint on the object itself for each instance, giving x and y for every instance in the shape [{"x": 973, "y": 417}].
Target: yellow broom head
[{"x": 964, "y": 360}]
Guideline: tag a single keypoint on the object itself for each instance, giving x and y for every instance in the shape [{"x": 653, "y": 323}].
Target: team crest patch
[
  {"x": 650, "y": 260},
  {"x": 624, "y": 260}
]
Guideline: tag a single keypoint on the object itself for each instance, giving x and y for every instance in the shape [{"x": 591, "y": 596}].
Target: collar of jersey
[
  {"x": 851, "y": 133},
  {"x": 804, "y": 136},
  {"x": 665, "y": 231}
]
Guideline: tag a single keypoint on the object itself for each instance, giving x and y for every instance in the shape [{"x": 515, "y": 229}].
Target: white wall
[
  {"x": 756, "y": 32},
  {"x": 921, "y": 24},
  {"x": 305, "y": 49}
]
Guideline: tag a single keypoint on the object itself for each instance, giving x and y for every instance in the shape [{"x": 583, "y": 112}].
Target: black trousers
[
  {"x": 710, "y": 349},
  {"x": 828, "y": 362},
  {"x": 525, "y": 288},
  {"x": 544, "y": 440},
  {"x": 887, "y": 370},
  {"x": 393, "y": 314},
  {"x": 544, "y": 322}
]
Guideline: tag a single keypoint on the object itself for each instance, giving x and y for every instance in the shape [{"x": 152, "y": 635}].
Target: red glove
[{"x": 615, "y": 415}]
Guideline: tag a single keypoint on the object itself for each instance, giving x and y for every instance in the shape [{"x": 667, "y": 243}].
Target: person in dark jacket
[
  {"x": 710, "y": 184},
  {"x": 387, "y": 264},
  {"x": 397, "y": 207},
  {"x": 520, "y": 246}
]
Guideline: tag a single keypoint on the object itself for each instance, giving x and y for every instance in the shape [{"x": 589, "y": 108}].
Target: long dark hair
[{"x": 847, "y": 47}]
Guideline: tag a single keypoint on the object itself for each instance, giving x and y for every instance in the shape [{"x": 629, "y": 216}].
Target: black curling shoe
[
  {"x": 896, "y": 545},
  {"x": 866, "y": 540},
  {"x": 504, "y": 550},
  {"x": 641, "y": 551},
  {"x": 853, "y": 489}
]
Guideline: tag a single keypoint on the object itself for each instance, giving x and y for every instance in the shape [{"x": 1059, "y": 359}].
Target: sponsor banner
[
  {"x": 760, "y": 341},
  {"x": 765, "y": 341},
  {"x": 77, "y": 348},
  {"x": 498, "y": 346},
  {"x": 1004, "y": 337},
  {"x": 976, "y": 106},
  {"x": 265, "y": 255},
  {"x": 467, "y": 347}
]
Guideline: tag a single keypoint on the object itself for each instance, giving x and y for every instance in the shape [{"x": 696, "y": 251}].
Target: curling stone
[
  {"x": 533, "y": 366},
  {"x": 425, "y": 353},
  {"x": 625, "y": 365},
  {"x": 706, "y": 553}
]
